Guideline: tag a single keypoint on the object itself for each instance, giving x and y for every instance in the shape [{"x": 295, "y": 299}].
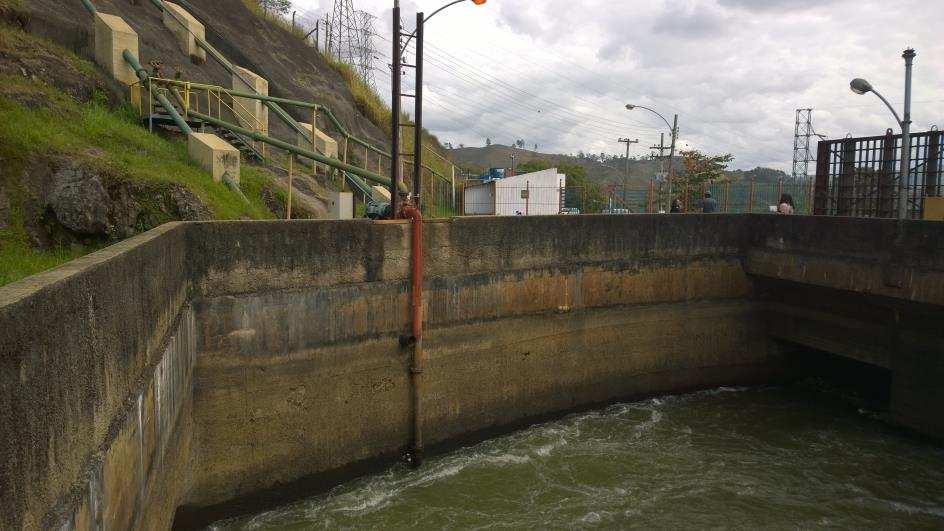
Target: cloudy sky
[{"x": 557, "y": 73}]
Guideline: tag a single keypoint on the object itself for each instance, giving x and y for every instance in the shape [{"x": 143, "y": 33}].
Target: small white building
[{"x": 539, "y": 193}]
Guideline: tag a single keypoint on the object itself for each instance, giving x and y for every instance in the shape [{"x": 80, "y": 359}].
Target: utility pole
[
  {"x": 395, "y": 171},
  {"x": 661, "y": 149},
  {"x": 628, "y": 142},
  {"x": 514, "y": 160},
  {"x": 672, "y": 152}
]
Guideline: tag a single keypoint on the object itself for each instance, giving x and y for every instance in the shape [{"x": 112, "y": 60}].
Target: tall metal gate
[{"x": 860, "y": 176}]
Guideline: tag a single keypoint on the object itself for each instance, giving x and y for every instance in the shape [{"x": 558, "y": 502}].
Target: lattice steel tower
[
  {"x": 350, "y": 37},
  {"x": 802, "y": 156}
]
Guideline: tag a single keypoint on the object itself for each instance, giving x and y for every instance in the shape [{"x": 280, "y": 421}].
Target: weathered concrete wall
[
  {"x": 301, "y": 370},
  {"x": 871, "y": 290},
  {"x": 78, "y": 350},
  {"x": 204, "y": 363}
]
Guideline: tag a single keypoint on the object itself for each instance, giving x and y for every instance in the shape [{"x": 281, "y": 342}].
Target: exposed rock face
[
  {"x": 80, "y": 202},
  {"x": 87, "y": 204}
]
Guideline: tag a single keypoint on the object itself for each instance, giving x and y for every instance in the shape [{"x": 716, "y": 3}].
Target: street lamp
[
  {"x": 434, "y": 13},
  {"x": 861, "y": 86},
  {"x": 673, "y": 128},
  {"x": 396, "y": 175}
]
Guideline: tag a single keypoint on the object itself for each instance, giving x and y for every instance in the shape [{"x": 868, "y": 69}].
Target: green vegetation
[
  {"x": 42, "y": 126},
  {"x": 115, "y": 145}
]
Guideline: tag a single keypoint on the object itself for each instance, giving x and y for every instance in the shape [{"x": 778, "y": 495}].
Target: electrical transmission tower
[
  {"x": 802, "y": 156},
  {"x": 350, "y": 37}
]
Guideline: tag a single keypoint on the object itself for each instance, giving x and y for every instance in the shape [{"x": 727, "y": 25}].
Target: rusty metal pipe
[{"x": 418, "y": 365}]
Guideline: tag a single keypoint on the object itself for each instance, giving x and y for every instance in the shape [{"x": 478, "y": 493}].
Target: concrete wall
[
  {"x": 205, "y": 365},
  {"x": 870, "y": 290},
  {"x": 91, "y": 387},
  {"x": 301, "y": 371}
]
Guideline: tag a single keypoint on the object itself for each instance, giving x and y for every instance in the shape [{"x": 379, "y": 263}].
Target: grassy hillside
[{"x": 55, "y": 119}]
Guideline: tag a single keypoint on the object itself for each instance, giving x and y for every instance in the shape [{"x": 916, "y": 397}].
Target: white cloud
[{"x": 557, "y": 72}]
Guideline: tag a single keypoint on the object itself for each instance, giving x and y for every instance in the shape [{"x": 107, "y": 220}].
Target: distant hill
[{"x": 608, "y": 170}]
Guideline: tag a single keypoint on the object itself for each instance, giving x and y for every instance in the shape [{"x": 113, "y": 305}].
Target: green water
[{"x": 788, "y": 457}]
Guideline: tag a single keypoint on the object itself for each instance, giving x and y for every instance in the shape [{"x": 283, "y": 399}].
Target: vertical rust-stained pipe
[{"x": 419, "y": 357}]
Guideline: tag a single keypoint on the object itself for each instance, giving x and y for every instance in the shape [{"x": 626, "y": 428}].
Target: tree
[
  {"x": 701, "y": 168},
  {"x": 519, "y": 143},
  {"x": 535, "y": 147},
  {"x": 279, "y": 7},
  {"x": 488, "y": 141}
]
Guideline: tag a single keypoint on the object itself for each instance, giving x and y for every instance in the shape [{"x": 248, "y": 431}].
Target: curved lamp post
[
  {"x": 396, "y": 175},
  {"x": 673, "y": 128},
  {"x": 434, "y": 13},
  {"x": 861, "y": 86}
]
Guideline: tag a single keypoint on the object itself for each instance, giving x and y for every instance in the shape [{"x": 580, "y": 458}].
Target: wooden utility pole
[{"x": 628, "y": 142}]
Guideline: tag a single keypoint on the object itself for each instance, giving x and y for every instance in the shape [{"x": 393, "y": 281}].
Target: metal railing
[{"x": 860, "y": 176}]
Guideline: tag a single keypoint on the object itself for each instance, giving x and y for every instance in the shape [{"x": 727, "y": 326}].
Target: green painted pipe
[
  {"x": 231, "y": 184},
  {"x": 272, "y": 106},
  {"x": 90, "y": 6},
  {"x": 239, "y": 94},
  {"x": 161, "y": 99},
  {"x": 317, "y": 157}
]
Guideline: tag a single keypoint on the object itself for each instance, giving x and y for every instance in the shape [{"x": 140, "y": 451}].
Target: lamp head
[
  {"x": 478, "y": 2},
  {"x": 630, "y": 106},
  {"x": 860, "y": 86}
]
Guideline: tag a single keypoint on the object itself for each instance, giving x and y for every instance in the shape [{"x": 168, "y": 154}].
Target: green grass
[
  {"x": 19, "y": 260},
  {"x": 115, "y": 145}
]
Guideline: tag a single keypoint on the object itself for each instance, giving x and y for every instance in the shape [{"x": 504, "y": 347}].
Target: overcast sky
[{"x": 557, "y": 73}]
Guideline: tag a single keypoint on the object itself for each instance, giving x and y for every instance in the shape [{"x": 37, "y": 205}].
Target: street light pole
[
  {"x": 674, "y": 128},
  {"x": 908, "y": 56},
  {"x": 861, "y": 86}
]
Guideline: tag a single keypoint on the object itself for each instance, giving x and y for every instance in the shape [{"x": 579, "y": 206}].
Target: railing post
[
  {"x": 727, "y": 196},
  {"x": 291, "y": 169},
  {"x": 750, "y": 197},
  {"x": 314, "y": 143},
  {"x": 809, "y": 199},
  {"x": 649, "y": 197}
]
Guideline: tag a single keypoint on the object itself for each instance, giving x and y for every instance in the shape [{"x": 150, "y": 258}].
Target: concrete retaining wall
[
  {"x": 206, "y": 365},
  {"x": 78, "y": 347},
  {"x": 301, "y": 370}
]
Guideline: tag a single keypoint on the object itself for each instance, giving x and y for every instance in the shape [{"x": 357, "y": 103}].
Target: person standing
[
  {"x": 708, "y": 204},
  {"x": 676, "y": 207},
  {"x": 785, "y": 206}
]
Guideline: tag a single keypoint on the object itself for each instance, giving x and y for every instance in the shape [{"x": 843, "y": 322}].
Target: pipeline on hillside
[
  {"x": 307, "y": 105},
  {"x": 317, "y": 157},
  {"x": 272, "y": 106},
  {"x": 142, "y": 74}
]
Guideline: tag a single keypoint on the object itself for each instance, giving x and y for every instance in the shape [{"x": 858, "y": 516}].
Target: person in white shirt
[{"x": 786, "y": 205}]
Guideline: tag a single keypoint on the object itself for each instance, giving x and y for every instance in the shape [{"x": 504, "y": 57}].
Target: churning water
[{"x": 783, "y": 457}]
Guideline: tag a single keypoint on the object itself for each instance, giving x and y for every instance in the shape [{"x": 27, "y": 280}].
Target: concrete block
[
  {"x": 381, "y": 191},
  {"x": 185, "y": 29},
  {"x": 250, "y": 113},
  {"x": 112, "y": 37},
  {"x": 324, "y": 143},
  {"x": 340, "y": 205},
  {"x": 214, "y": 154},
  {"x": 934, "y": 208}
]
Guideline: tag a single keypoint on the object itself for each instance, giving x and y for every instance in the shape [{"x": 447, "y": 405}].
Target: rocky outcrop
[
  {"x": 79, "y": 202},
  {"x": 64, "y": 202}
]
